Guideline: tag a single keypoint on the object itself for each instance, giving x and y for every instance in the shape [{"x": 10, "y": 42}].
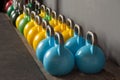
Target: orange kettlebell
[{"x": 30, "y": 24}]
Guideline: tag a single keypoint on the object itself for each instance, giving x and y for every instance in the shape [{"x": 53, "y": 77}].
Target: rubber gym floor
[{"x": 18, "y": 60}]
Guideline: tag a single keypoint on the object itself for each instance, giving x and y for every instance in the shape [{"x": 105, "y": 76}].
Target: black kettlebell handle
[
  {"x": 61, "y": 18},
  {"x": 93, "y": 37},
  {"x": 33, "y": 14},
  {"x": 38, "y": 19},
  {"x": 78, "y": 30},
  {"x": 53, "y": 14},
  {"x": 59, "y": 38},
  {"x": 69, "y": 23},
  {"x": 50, "y": 30}
]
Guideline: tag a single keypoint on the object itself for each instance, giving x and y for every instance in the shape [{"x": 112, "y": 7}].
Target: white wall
[{"x": 100, "y": 16}]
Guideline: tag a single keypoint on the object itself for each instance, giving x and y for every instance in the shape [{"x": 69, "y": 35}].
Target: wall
[{"x": 100, "y": 16}]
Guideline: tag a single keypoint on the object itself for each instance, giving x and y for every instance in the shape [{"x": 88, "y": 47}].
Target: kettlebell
[
  {"x": 15, "y": 9},
  {"x": 53, "y": 21},
  {"x": 47, "y": 14},
  {"x": 68, "y": 32},
  {"x": 24, "y": 21},
  {"x": 60, "y": 27},
  {"x": 45, "y": 44},
  {"x": 90, "y": 58},
  {"x": 8, "y": 4},
  {"x": 34, "y": 31},
  {"x": 30, "y": 24},
  {"x": 9, "y": 10},
  {"x": 77, "y": 41},
  {"x": 42, "y": 11},
  {"x": 58, "y": 60},
  {"x": 20, "y": 17},
  {"x": 15, "y": 14},
  {"x": 41, "y": 35}
]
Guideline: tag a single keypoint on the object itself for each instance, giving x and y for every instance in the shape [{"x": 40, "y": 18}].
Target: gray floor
[{"x": 15, "y": 61}]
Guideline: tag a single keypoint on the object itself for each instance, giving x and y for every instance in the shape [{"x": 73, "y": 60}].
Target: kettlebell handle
[
  {"x": 44, "y": 24},
  {"x": 38, "y": 19},
  {"x": 78, "y": 30},
  {"x": 37, "y": 6},
  {"x": 61, "y": 18},
  {"x": 69, "y": 23},
  {"x": 48, "y": 11},
  {"x": 93, "y": 37},
  {"x": 53, "y": 14},
  {"x": 27, "y": 11},
  {"x": 43, "y": 7},
  {"x": 32, "y": 15},
  {"x": 50, "y": 30},
  {"x": 59, "y": 40}
]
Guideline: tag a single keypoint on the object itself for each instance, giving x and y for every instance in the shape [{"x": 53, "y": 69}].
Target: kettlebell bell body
[
  {"x": 90, "y": 58},
  {"x": 8, "y": 4},
  {"x": 30, "y": 24},
  {"x": 58, "y": 60},
  {"x": 10, "y": 9}
]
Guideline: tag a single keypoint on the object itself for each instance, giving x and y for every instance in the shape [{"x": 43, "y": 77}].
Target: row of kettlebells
[{"x": 59, "y": 44}]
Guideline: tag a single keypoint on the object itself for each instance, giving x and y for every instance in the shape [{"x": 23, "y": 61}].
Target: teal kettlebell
[
  {"x": 58, "y": 60},
  {"x": 90, "y": 58},
  {"x": 77, "y": 41}
]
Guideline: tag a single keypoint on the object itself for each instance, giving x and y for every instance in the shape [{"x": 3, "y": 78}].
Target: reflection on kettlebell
[
  {"x": 77, "y": 41},
  {"x": 30, "y": 24},
  {"x": 90, "y": 58},
  {"x": 45, "y": 44},
  {"x": 24, "y": 21},
  {"x": 58, "y": 60}
]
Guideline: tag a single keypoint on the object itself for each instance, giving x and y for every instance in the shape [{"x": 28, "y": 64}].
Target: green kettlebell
[
  {"x": 24, "y": 21},
  {"x": 10, "y": 9},
  {"x": 47, "y": 16}
]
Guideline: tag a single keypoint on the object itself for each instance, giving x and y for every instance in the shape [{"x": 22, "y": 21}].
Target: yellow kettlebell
[
  {"x": 68, "y": 32},
  {"x": 41, "y": 35},
  {"x": 34, "y": 31},
  {"x": 53, "y": 21},
  {"x": 42, "y": 11},
  {"x": 60, "y": 27},
  {"x": 20, "y": 17},
  {"x": 30, "y": 24}
]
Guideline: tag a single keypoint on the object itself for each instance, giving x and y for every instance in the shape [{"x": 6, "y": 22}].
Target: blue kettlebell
[
  {"x": 77, "y": 41},
  {"x": 58, "y": 60},
  {"x": 45, "y": 44},
  {"x": 90, "y": 58}
]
